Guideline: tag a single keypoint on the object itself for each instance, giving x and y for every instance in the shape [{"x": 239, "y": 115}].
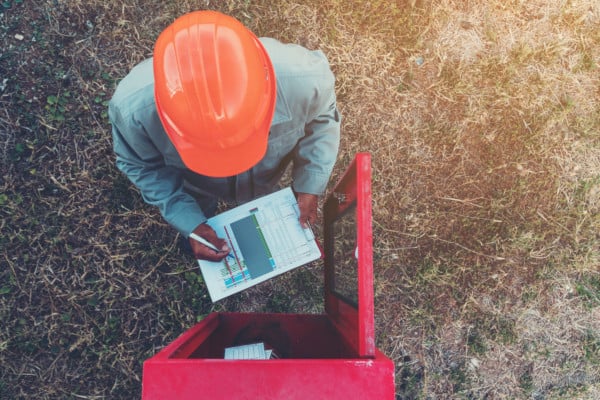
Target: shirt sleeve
[
  {"x": 160, "y": 185},
  {"x": 316, "y": 152}
]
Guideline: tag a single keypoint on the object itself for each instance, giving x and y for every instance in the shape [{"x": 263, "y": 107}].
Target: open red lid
[{"x": 348, "y": 248}]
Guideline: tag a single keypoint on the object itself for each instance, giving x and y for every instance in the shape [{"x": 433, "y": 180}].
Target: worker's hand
[
  {"x": 203, "y": 252},
  {"x": 308, "y": 204}
]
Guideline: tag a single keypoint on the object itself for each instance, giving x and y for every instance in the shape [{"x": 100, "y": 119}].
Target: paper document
[
  {"x": 254, "y": 351},
  {"x": 266, "y": 240}
]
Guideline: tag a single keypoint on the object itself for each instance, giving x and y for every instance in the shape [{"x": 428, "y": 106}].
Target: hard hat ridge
[{"x": 214, "y": 92}]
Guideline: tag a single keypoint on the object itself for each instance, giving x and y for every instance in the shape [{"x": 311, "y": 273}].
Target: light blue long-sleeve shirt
[{"x": 305, "y": 131}]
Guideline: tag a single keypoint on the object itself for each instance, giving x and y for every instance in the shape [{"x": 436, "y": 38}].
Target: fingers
[
  {"x": 308, "y": 205},
  {"x": 308, "y": 218},
  {"x": 204, "y": 251}
]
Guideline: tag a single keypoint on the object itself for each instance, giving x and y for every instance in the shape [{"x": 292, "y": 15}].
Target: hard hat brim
[{"x": 220, "y": 163}]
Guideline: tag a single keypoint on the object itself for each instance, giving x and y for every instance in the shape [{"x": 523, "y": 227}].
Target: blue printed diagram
[{"x": 233, "y": 273}]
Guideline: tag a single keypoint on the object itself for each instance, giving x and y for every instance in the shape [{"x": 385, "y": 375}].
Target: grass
[{"x": 482, "y": 119}]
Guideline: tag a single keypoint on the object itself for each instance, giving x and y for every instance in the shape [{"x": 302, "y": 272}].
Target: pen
[{"x": 205, "y": 242}]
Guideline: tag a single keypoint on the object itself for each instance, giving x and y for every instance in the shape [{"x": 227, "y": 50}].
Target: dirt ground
[{"x": 482, "y": 119}]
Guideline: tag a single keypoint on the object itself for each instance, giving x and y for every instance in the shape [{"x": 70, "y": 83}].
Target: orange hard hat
[{"x": 215, "y": 92}]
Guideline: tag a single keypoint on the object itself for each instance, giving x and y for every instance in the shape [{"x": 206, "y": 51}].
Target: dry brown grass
[{"x": 482, "y": 119}]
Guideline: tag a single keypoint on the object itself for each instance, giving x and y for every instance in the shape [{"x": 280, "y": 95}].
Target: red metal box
[{"x": 319, "y": 356}]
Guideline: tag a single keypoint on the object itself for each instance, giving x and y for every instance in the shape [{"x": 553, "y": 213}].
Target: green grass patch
[{"x": 589, "y": 290}]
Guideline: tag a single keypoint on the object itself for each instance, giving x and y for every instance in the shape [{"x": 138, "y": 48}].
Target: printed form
[
  {"x": 266, "y": 240},
  {"x": 255, "y": 351}
]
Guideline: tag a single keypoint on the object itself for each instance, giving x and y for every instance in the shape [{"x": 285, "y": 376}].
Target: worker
[{"x": 218, "y": 114}]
